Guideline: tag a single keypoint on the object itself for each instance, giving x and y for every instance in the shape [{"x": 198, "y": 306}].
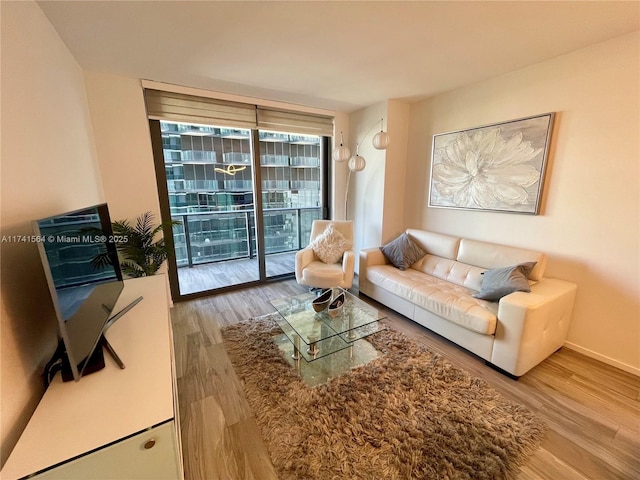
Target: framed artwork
[{"x": 498, "y": 168}]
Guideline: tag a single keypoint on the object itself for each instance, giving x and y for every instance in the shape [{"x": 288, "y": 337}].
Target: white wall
[
  {"x": 123, "y": 144},
  {"x": 395, "y": 172},
  {"x": 589, "y": 223},
  {"x": 376, "y": 200},
  {"x": 365, "y": 204},
  {"x": 339, "y": 170},
  {"x": 48, "y": 166}
]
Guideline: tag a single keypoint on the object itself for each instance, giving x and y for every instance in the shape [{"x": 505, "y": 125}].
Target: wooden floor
[
  {"x": 592, "y": 409},
  {"x": 209, "y": 276}
]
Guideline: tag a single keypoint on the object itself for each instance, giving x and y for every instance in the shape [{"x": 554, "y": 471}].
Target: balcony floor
[{"x": 210, "y": 276}]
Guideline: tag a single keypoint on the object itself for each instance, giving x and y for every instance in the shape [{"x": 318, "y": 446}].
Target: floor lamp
[{"x": 357, "y": 163}]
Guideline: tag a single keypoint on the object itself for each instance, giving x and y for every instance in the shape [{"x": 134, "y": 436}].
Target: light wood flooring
[
  {"x": 209, "y": 276},
  {"x": 592, "y": 409}
]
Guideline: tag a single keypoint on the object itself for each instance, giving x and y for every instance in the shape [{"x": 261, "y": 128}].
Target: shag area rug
[{"x": 409, "y": 414}]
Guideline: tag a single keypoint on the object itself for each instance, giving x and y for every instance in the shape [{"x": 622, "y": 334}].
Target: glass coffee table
[{"x": 332, "y": 344}]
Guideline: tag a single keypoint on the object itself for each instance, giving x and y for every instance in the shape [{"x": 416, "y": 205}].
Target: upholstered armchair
[{"x": 329, "y": 259}]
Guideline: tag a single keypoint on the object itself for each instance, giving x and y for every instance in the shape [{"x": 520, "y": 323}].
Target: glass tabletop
[{"x": 326, "y": 334}]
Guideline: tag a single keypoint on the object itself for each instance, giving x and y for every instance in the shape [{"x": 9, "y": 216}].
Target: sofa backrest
[
  {"x": 438, "y": 244},
  {"x": 493, "y": 255},
  {"x": 461, "y": 261},
  {"x": 440, "y": 261}
]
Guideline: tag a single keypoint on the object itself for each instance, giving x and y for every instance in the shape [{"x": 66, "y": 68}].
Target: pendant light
[
  {"x": 341, "y": 153},
  {"x": 357, "y": 163},
  {"x": 381, "y": 139}
]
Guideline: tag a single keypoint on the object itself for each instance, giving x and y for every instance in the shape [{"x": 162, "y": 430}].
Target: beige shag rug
[{"x": 410, "y": 414}]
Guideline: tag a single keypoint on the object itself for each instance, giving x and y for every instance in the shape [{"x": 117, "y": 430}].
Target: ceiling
[{"x": 333, "y": 55}]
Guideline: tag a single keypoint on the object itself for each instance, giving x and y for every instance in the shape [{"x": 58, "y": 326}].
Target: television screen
[{"x": 80, "y": 260}]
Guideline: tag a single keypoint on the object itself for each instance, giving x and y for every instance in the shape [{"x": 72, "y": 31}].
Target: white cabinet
[
  {"x": 149, "y": 455},
  {"x": 115, "y": 423}
]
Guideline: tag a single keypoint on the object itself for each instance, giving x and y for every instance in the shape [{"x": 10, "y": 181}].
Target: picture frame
[{"x": 497, "y": 168}]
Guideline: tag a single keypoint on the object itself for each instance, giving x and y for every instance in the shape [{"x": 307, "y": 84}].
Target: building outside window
[{"x": 210, "y": 180}]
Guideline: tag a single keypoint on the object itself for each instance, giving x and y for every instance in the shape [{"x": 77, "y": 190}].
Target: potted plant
[{"x": 140, "y": 254}]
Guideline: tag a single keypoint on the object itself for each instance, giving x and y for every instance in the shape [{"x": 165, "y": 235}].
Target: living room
[{"x": 70, "y": 131}]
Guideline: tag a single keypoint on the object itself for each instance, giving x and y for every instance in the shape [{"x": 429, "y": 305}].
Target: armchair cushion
[{"x": 330, "y": 245}]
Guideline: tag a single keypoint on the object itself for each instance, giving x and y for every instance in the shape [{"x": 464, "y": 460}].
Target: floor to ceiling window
[
  {"x": 291, "y": 195},
  {"x": 245, "y": 199},
  {"x": 210, "y": 189}
]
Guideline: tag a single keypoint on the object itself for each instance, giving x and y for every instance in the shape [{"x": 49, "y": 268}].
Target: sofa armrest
[
  {"x": 372, "y": 256},
  {"x": 303, "y": 258},
  {"x": 531, "y": 326},
  {"x": 368, "y": 257}
]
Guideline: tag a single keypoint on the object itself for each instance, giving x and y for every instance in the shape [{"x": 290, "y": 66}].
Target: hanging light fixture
[
  {"x": 381, "y": 139},
  {"x": 341, "y": 153},
  {"x": 357, "y": 163}
]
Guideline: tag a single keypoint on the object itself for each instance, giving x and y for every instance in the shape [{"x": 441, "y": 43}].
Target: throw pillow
[
  {"x": 502, "y": 281},
  {"x": 402, "y": 252},
  {"x": 330, "y": 245}
]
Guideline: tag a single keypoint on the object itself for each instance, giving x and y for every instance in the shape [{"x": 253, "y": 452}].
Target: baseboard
[{"x": 603, "y": 358}]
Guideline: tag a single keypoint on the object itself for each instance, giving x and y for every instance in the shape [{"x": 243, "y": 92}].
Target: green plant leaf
[{"x": 139, "y": 254}]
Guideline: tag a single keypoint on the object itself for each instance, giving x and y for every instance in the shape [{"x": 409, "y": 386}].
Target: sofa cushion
[
  {"x": 499, "y": 282},
  {"x": 398, "y": 282},
  {"x": 330, "y": 245},
  {"x": 402, "y": 252},
  {"x": 451, "y": 271},
  {"x": 452, "y": 302},
  {"x": 456, "y": 304}
]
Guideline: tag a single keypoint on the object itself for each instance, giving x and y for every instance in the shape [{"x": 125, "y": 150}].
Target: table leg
[
  {"x": 296, "y": 347},
  {"x": 313, "y": 349},
  {"x": 351, "y": 335}
]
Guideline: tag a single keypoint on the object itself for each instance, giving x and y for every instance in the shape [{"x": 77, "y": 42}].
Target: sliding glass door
[
  {"x": 291, "y": 173},
  {"x": 244, "y": 199},
  {"x": 209, "y": 176}
]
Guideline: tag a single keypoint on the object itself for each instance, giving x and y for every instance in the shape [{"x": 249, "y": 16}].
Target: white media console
[{"x": 115, "y": 423}]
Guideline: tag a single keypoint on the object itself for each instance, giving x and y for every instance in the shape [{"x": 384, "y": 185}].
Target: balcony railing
[
  {"x": 198, "y": 156},
  {"x": 230, "y": 235}
]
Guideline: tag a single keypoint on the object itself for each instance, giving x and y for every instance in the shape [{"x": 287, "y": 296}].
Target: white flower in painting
[{"x": 485, "y": 170}]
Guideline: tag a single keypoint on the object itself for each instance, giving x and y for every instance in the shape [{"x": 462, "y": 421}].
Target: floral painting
[{"x": 497, "y": 167}]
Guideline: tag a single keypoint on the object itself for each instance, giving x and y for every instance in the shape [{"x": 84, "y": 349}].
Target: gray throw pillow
[
  {"x": 402, "y": 252},
  {"x": 502, "y": 281}
]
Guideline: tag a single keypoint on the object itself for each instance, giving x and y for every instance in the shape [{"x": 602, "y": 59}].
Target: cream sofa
[{"x": 513, "y": 335}]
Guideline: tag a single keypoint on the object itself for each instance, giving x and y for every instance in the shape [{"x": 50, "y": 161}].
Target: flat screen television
[{"x": 84, "y": 291}]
